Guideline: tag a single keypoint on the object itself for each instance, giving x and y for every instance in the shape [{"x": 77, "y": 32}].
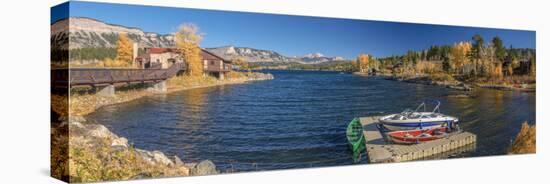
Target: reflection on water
[
  {"x": 299, "y": 119},
  {"x": 195, "y": 104}
]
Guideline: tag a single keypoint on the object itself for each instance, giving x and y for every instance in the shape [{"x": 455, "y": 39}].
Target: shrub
[
  {"x": 525, "y": 141},
  {"x": 441, "y": 77},
  {"x": 427, "y": 67}
]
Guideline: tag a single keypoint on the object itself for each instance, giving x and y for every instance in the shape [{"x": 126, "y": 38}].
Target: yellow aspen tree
[
  {"x": 124, "y": 49},
  {"x": 363, "y": 62},
  {"x": 242, "y": 63},
  {"x": 497, "y": 71},
  {"x": 459, "y": 55},
  {"x": 187, "y": 40}
]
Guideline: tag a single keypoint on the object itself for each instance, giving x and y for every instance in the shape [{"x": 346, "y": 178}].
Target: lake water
[{"x": 298, "y": 120}]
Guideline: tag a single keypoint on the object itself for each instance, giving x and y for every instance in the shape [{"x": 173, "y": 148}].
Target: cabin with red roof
[{"x": 165, "y": 57}]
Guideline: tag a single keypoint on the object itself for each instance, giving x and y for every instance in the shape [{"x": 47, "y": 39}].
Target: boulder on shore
[
  {"x": 96, "y": 154},
  {"x": 205, "y": 167}
]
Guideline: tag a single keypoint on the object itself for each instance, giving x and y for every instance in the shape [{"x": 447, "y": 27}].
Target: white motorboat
[{"x": 410, "y": 120}]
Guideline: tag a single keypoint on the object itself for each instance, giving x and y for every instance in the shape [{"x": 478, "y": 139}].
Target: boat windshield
[
  {"x": 407, "y": 111},
  {"x": 416, "y": 114},
  {"x": 424, "y": 104}
]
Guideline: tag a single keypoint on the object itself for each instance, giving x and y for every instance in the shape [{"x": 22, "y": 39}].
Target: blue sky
[{"x": 291, "y": 35}]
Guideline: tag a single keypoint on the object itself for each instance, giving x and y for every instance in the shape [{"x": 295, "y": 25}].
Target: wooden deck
[{"x": 379, "y": 150}]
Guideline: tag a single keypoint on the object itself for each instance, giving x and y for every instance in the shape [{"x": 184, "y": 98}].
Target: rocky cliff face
[
  {"x": 87, "y": 32},
  {"x": 250, "y": 54}
]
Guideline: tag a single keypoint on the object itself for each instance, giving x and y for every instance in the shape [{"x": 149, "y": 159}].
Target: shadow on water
[{"x": 298, "y": 120}]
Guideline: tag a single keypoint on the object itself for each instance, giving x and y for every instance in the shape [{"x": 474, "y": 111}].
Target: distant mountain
[
  {"x": 257, "y": 55},
  {"x": 319, "y": 58},
  {"x": 250, "y": 54},
  {"x": 87, "y": 32}
]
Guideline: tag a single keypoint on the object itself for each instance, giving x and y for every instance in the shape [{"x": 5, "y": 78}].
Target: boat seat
[{"x": 425, "y": 135}]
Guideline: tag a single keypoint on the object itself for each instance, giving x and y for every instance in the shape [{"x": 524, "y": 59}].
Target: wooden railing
[{"x": 102, "y": 76}]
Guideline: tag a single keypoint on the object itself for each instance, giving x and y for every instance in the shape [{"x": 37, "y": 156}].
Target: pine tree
[
  {"x": 477, "y": 49},
  {"x": 500, "y": 51}
]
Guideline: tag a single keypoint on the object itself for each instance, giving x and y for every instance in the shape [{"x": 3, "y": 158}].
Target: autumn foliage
[
  {"x": 526, "y": 140},
  {"x": 242, "y": 63},
  {"x": 187, "y": 40},
  {"x": 427, "y": 67},
  {"x": 363, "y": 62},
  {"x": 459, "y": 56},
  {"x": 124, "y": 49}
]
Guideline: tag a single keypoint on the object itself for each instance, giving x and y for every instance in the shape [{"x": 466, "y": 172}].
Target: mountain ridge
[{"x": 88, "y": 32}]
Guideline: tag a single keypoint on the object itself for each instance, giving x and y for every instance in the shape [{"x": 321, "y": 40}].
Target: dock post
[{"x": 105, "y": 91}]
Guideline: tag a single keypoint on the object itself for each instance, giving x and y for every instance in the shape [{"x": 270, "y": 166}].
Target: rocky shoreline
[
  {"x": 97, "y": 154},
  {"x": 505, "y": 88},
  {"x": 456, "y": 85}
]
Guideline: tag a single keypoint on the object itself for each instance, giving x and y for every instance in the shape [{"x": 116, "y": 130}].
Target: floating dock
[{"x": 380, "y": 151}]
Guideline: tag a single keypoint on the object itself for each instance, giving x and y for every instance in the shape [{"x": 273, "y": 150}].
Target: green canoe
[{"x": 355, "y": 137}]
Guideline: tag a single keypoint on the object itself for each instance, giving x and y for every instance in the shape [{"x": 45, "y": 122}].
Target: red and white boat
[{"x": 418, "y": 136}]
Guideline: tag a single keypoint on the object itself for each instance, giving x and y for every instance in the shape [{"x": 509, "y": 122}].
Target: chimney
[{"x": 135, "y": 51}]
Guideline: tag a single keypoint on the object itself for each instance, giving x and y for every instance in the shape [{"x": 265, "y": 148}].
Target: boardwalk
[
  {"x": 378, "y": 150},
  {"x": 94, "y": 77}
]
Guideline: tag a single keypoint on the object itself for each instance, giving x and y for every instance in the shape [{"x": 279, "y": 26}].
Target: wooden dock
[{"x": 380, "y": 151}]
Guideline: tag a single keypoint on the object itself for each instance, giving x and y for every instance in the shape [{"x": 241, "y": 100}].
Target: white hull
[
  {"x": 418, "y": 120},
  {"x": 396, "y": 128}
]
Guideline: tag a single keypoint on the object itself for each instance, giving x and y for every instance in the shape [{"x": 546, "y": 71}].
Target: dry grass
[
  {"x": 442, "y": 77},
  {"x": 508, "y": 80},
  {"x": 186, "y": 81},
  {"x": 59, "y": 156},
  {"x": 106, "y": 63},
  {"x": 60, "y": 104},
  {"x": 426, "y": 67},
  {"x": 84, "y": 103},
  {"x": 236, "y": 75},
  {"x": 77, "y": 156},
  {"x": 101, "y": 162},
  {"x": 526, "y": 140}
]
